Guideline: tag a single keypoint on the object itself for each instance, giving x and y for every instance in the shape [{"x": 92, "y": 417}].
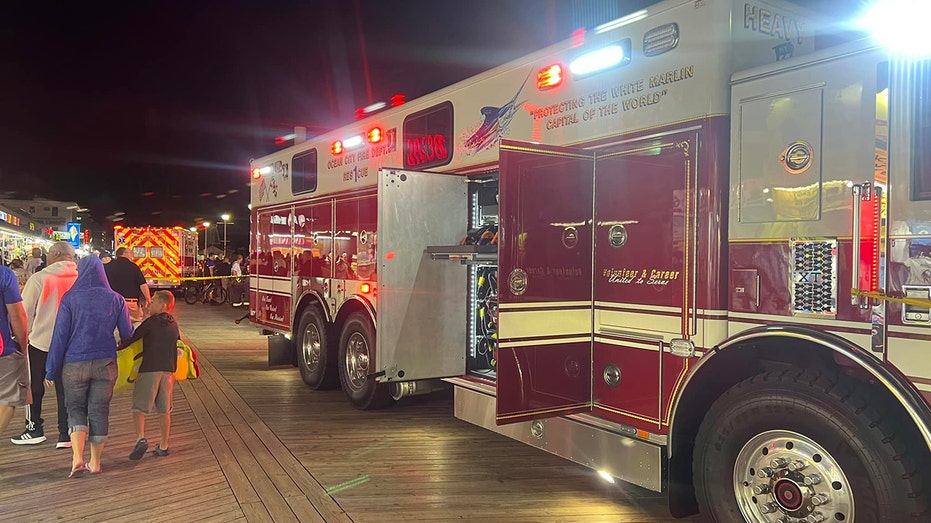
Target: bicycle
[{"x": 208, "y": 292}]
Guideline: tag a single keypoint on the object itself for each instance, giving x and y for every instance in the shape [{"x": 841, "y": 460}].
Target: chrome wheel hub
[
  {"x": 357, "y": 361},
  {"x": 784, "y": 477},
  {"x": 311, "y": 347}
]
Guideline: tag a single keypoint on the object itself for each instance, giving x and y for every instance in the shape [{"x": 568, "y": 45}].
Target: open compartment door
[
  {"x": 544, "y": 351},
  {"x": 421, "y": 331}
]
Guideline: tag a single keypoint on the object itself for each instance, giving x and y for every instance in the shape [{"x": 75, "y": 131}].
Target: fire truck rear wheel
[
  {"x": 807, "y": 444},
  {"x": 356, "y": 353},
  {"x": 315, "y": 359}
]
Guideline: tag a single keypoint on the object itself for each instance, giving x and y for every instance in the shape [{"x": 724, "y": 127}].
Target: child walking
[{"x": 159, "y": 335}]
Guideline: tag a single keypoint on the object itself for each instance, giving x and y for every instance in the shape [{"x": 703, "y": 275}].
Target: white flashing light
[
  {"x": 266, "y": 170},
  {"x": 605, "y": 476},
  {"x": 621, "y": 22},
  {"x": 353, "y": 141},
  {"x": 375, "y": 107},
  {"x": 597, "y": 60},
  {"x": 899, "y": 25}
]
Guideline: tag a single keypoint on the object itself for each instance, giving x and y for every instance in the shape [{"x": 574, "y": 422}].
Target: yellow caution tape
[
  {"x": 194, "y": 278},
  {"x": 919, "y": 302}
]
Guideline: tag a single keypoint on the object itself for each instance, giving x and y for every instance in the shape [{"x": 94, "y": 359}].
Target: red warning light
[
  {"x": 279, "y": 140},
  {"x": 397, "y": 100},
  {"x": 256, "y": 174},
  {"x": 549, "y": 77},
  {"x": 337, "y": 147},
  {"x": 365, "y": 288},
  {"x": 374, "y": 135}
]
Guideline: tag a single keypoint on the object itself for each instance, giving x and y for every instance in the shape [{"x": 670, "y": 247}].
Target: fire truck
[
  {"x": 688, "y": 249},
  {"x": 165, "y": 254}
]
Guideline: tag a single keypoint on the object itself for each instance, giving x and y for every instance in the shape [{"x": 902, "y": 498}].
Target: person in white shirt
[{"x": 41, "y": 297}]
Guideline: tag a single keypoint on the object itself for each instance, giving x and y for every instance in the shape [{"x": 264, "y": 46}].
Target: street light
[
  {"x": 226, "y": 218},
  {"x": 206, "y": 226}
]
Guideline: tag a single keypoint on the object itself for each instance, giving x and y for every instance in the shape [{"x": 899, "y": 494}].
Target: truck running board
[{"x": 629, "y": 459}]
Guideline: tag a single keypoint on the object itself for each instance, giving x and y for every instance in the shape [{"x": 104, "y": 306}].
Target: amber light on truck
[
  {"x": 549, "y": 77},
  {"x": 374, "y": 135},
  {"x": 336, "y": 147}
]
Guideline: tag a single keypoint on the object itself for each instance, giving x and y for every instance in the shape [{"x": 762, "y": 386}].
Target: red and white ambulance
[
  {"x": 165, "y": 254},
  {"x": 688, "y": 250}
]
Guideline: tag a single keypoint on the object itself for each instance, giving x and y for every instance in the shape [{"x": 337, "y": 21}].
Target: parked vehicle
[{"x": 687, "y": 250}]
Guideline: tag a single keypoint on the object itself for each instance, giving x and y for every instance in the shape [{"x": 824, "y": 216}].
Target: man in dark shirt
[
  {"x": 126, "y": 279},
  {"x": 223, "y": 267}
]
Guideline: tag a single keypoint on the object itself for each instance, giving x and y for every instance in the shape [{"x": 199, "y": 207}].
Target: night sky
[{"x": 154, "y": 109}]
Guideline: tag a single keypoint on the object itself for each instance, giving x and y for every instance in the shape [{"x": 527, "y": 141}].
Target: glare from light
[
  {"x": 193, "y": 229},
  {"x": 206, "y": 224},
  {"x": 353, "y": 141},
  {"x": 597, "y": 60},
  {"x": 899, "y": 25},
  {"x": 225, "y": 217},
  {"x": 607, "y": 477},
  {"x": 621, "y": 22},
  {"x": 249, "y": 206}
]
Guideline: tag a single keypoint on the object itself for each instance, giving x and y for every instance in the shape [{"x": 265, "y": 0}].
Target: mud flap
[{"x": 281, "y": 351}]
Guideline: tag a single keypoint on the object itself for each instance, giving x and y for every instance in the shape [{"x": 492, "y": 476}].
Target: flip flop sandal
[{"x": 78, "y": 472}]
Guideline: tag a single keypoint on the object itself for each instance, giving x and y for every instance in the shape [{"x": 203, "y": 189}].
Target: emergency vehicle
[
  {"x": 687, "y": 249},
  {"x": 165, "y": 254}
]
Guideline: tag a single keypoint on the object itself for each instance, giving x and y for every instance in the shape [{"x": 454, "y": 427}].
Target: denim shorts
[{"x": 88, "y": 390}]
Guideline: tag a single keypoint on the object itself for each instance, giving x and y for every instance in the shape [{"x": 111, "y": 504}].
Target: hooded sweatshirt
[
  {"x": 41, "y": 297},
  {"x": 88, "y": 314}
]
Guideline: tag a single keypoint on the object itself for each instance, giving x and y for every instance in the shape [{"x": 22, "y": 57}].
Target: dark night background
[{"x": 155, "y": 108}]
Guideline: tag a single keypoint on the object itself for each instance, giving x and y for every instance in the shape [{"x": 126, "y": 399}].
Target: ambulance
[{"x": 165, "y": 254}]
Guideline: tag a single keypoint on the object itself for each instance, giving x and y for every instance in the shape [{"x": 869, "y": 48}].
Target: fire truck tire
[
  {"x": 807, "y": 444},
  {"x": 315, "y": 358},
  {"x": 356, "y": 350}
]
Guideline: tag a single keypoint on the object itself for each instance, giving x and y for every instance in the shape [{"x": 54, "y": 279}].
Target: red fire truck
[
  {"x": 165, "y": 254},
  {"x": 688, "y": 250}
]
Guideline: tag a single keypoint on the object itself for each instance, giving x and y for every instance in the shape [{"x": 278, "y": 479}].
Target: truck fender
[{"x": 727, "y": 359}]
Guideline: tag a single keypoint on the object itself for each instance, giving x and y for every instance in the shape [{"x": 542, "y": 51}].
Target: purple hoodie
[{"x": 88, "y": 314}]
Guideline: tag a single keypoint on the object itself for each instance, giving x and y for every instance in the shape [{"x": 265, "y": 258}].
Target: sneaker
[
  {"x": 29, "y": 437},
  {"x": 139, "y": 450},
  {"x": 64, "y": 442},
  {"x": 159, "y": 451}
]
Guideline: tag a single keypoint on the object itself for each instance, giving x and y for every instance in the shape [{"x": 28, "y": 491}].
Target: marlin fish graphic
[{"x": 497, "y": 120}]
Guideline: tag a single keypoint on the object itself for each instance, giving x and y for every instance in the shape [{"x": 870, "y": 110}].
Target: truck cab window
[{"x": 304, "y": 172}]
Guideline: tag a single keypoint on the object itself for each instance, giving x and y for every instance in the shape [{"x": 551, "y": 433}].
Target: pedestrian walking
[
  {"x": 20, "y": 271},
  {"x": 41, "y": 298},
  {"x": 35, "y": 262},
  {"x": 126, "y": 279},
  {"x": 14, "y": 371},
  {"x": 153, "y": 388},
  {"x": 83, "y": 353}
]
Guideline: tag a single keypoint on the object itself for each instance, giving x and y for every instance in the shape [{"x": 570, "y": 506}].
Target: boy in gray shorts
[{"x": 159, "y": 334}]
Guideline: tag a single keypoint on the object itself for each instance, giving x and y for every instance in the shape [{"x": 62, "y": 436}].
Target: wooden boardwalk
[{"x": 252, "y": 443}]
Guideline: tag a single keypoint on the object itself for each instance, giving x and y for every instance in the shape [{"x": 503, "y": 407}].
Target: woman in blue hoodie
[{"x": 83, "y": 355}]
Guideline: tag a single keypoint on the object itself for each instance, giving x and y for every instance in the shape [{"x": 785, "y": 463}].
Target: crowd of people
[{"x": 63, "y": 331}]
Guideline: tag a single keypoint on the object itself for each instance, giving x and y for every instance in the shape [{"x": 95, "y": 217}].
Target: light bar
[
  {"x": 353, "y": 141},
  {"x": 899, "y": 26},
  {"x": 597, "y": 60}
]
